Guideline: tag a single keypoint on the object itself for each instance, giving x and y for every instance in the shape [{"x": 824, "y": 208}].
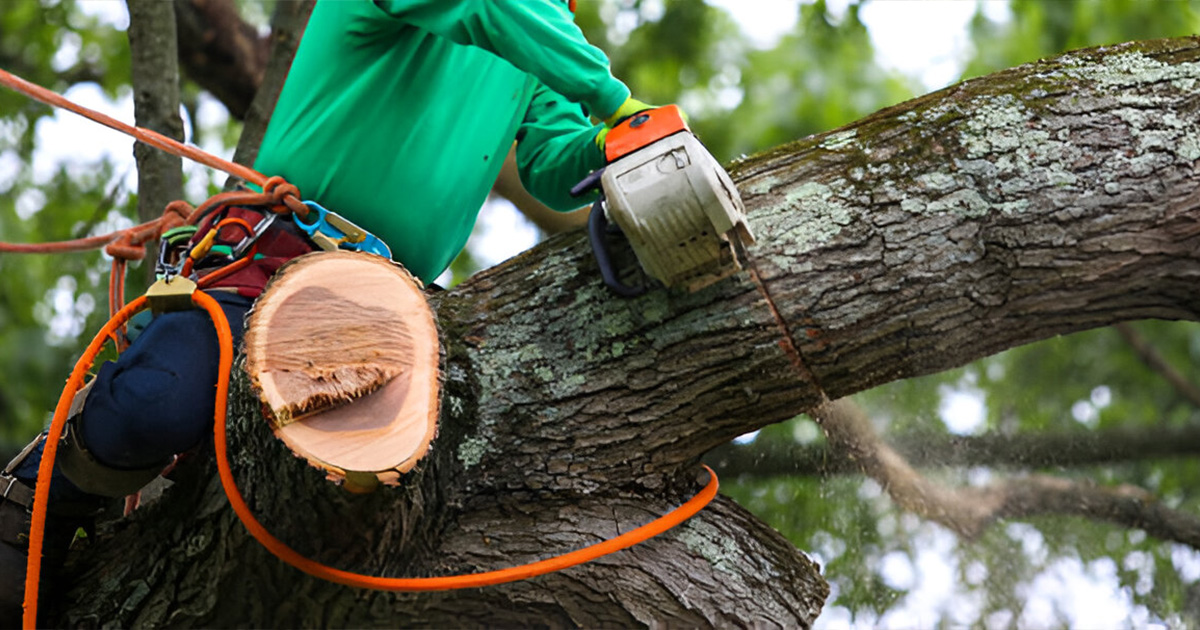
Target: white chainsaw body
[{"x": 679, "y": 209}]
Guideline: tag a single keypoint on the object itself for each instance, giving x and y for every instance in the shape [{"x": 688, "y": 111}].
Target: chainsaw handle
[
  {"x": 588, "y": 183},
  {"x": 597, "y": 232}
]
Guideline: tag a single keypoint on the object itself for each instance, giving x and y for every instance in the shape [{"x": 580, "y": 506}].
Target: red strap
[{"x": 280, "y": 243}]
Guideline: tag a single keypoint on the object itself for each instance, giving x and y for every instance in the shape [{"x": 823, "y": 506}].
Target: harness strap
[
  {"x": 279, "y": 243},
  {"x": 15, "y": 492}
]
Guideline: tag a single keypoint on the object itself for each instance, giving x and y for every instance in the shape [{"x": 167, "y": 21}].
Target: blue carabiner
[
  {"x": 331, "y": 231},
  {"x": 317, "y": 213}
]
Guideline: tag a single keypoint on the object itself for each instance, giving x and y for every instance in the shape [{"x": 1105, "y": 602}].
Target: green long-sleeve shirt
[{"x": 398, "y": 114}]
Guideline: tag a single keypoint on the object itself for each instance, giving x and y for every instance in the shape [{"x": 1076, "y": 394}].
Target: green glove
[
  {"x": 600, "y": 136},
  {"x": 630, "y": 107}
]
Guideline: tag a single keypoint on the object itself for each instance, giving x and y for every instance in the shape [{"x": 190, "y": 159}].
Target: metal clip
[
  {"x": 259, "y": 230},
  {"x": 331, "y": 231},
  {"x": 170, "y": 294},
  {"x": 172, "y": 251}
]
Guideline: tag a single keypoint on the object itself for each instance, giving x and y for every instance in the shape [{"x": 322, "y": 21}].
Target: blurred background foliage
[{"x": 887, "y": 568}]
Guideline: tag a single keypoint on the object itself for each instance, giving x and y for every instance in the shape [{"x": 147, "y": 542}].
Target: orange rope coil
[
  {"x": 129, "y": 244},
  {"x": 260, "y": 533}
]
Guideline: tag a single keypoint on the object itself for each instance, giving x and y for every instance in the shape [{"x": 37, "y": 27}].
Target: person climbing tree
[{"x": 397, "y": 115}]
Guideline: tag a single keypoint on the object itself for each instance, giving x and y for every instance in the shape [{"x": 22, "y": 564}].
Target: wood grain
[{"x": 343, "y": 352}]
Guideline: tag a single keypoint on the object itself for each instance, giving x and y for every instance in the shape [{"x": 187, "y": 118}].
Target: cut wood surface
[{"x": 343, "y": 351}]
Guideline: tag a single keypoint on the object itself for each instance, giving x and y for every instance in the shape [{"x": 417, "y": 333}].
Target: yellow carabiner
[{"x": 201, "y": 249}]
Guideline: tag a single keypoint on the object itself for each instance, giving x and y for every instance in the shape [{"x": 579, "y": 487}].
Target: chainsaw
[{"x": 678, "y": 208}]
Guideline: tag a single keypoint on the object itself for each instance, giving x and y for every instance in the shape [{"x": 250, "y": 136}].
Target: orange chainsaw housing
[{"x": 643, "y": 129}]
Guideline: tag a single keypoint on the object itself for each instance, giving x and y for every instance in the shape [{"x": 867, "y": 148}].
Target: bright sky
[{"x": 922, "y": 38}]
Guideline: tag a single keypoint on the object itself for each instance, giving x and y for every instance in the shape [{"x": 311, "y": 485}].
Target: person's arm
[
  {"x": 537, "y": 36},
  {"x": 556, "y": 149}
]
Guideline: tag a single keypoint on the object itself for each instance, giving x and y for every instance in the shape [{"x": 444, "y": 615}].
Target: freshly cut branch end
[{"x": 342, "y": 349}]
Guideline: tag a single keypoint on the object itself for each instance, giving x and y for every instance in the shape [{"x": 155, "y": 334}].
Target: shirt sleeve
[
  {"x": 556, "y": 149},
  {"x": 539, "y": 37}
]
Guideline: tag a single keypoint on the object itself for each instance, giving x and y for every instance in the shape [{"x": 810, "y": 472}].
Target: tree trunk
[
  {"x": 1046, "y": 199},
  {"x": 287, "y": 27},
  {"x": 155, "y": 73}
]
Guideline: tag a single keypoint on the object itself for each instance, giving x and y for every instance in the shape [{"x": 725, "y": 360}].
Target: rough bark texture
[
  {"x": 155, "y": 74},
  {"x": 1042, "y": 200}
]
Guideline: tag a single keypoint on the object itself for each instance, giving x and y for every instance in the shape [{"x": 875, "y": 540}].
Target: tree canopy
[{"x": 1111, "y": 406}]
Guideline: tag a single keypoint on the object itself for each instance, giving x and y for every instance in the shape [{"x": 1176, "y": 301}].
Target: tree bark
[
  {"x": 1042, "y": 200},
  {"x": 155, "y": 74},
  {"x": 287, "y": 27},
  {"x": 221, "y": 52}
]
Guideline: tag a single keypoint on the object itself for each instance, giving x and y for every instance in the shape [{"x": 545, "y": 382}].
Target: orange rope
[
  {"x": 474, "y": 580},
  {"x": 227, "y": 270},
  {"x": 41, "y": 495},
  {"x": 129, "y": 244},
  {"x": 274, "y": 545},
  {"x": 156, "y": 140},
  {"x": 242, "y": 223}
]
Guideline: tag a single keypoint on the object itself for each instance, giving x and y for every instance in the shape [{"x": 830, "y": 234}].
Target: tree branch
[
  {"x": 1020, "y": 450},
  {"x": 287, "y": 27},
  {"x": 509, "y": 186},
  {"x": 222, "y": 52},
  {"x": 1155, "y": 361},
  {"x": 970, "y": 511},
  {"x": 155, "y": 78},
  {"x": 985, "y": 216}
]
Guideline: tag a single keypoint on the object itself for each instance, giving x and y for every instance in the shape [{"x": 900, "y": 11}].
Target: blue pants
[{"x": 155, "y": 401}]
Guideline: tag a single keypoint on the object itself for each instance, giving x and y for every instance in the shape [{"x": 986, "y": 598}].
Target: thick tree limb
[
  {"x": 1039, "y": 201},
  {"x": 1050, "y": 198},
  {"x": 1025, "y": 451},
  {"x": 970, "y": 511}
]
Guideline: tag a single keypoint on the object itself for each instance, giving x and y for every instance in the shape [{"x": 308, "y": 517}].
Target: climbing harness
[{"x": 209, "y": 246}]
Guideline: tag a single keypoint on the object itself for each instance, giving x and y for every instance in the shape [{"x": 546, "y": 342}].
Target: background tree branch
[
  {"x": 970, "y": 511},
  {"x": 993, "y": 450},
  {"x": 1155, "y": 361},
  {"x": 223, "y": 53},
  {"x": 287, "y": 27}
]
